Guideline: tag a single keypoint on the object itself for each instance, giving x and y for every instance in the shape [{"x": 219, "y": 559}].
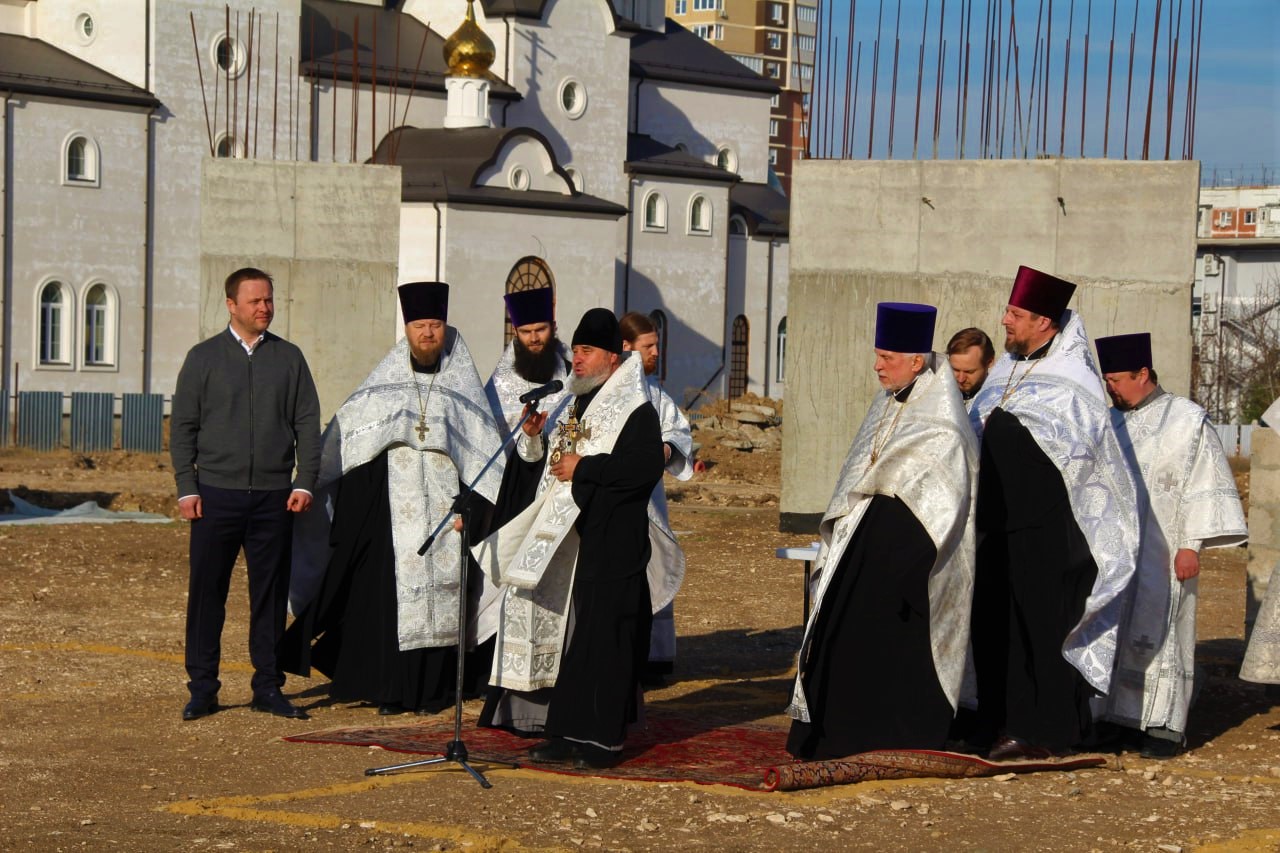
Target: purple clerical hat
[
  {"x": 526, "y": 307},
  {"x": 1119, "y": 353},
  {"x": 905, "y": 327},
  {"x": 424, "y": 300},
  {"x": 1041, "y": 293}
]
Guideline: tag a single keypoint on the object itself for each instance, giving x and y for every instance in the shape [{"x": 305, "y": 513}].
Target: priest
[
  {"x": 535, "y": 357},
  {"x": 395, "y": 456},
  {"x": 883, "y": 654},
  {"x": 1057, "y": 526},
  {"x": 640, "y": 335},
  {"x": 1191, "y": 503},
  {"x": 575, "y": 611}
]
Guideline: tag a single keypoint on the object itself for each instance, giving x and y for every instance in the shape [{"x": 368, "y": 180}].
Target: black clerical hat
[
  {"x": 424, "y": 300},
  {"x": 598, "y": 328},
  {"x": 905, "y": 327},
  {"x": 526, "y": 307},
  {"x": 1119, "y": 353},
  {"x": 1041, "y": 293}
]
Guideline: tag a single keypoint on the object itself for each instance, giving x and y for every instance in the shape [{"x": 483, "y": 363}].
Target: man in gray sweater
[{"x": 245, "y": 412}]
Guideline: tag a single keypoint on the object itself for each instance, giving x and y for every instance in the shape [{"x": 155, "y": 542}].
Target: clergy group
[{"x": 1008, "y": 562}]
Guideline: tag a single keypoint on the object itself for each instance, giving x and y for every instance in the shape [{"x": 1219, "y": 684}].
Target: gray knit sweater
[{"x": 240, "y": 422}]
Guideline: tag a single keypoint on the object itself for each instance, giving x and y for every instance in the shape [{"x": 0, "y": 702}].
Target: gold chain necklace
[
  {"x": 877, "y": 446},
  {"x": 422, "y": 428},
  {"x": 1035, "y": 362}
]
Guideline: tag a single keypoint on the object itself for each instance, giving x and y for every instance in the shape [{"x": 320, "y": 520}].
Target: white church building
[{"x": 606, "y": 152}]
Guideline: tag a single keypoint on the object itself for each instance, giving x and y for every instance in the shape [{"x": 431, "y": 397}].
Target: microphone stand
[{"x": 456, "y": 751}]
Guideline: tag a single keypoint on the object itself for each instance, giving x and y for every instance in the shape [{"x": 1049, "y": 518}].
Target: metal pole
[{"x": 1151, "y": 84}]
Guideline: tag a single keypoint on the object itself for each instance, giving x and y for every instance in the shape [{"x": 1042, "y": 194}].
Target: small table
[{"x": 808, "y": 554}]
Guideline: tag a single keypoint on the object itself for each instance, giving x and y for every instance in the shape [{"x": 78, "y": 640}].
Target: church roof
[
  {"x": 327, "y": 32},
  {"x": 532, "y": 10},
  {"x": 648, "y": 156},
  {"x": 767, "y": 212},
  {"x": 34, "y": 67},
  {"x": 442, "y": 165},
  {"x": 678, "y": 56}
]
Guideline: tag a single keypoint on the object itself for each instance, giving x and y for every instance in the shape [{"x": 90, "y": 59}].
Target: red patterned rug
[
  {"x": 668, "y": 748},
  {"x": 677, "y": 747}
]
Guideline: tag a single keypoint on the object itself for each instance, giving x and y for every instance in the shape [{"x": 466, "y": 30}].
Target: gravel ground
[{"x": 94, "y": 755}]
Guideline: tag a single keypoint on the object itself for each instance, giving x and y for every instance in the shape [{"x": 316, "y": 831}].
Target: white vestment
[
  {"x": 1262, "y": 656},
  {"x": 666, "y": 551},
  {"x": 423, "y": 477},
  {"x": 1060, "y": 401},
  {"x": 929, "y": 461},
  {"x": 1193, "y": 503},
  {"x": 533, "y": 557},
  {"x": 505, "y": 387}
]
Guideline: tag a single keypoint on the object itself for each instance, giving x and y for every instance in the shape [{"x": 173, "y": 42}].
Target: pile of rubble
[{"x": 744, "y": 425}]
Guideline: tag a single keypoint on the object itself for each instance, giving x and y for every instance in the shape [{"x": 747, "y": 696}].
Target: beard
[
  {"x": 537, "y": 367},
  {"x": 579, "y": 385}
]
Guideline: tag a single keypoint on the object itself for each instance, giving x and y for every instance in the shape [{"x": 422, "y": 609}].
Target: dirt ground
[{"x": 94, "y": 755}]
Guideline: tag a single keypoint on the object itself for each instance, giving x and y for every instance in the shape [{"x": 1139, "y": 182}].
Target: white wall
[
  {"x": 575, "y": 42},
  {"x": 78, "y": 235},
  {"x": 484, "y": 243},
  {"x": 683, "y": 274},
  {"x": 704, "y": 119}
]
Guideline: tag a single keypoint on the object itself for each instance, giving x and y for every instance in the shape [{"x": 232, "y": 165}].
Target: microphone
[{"x": 552, "y": 387}]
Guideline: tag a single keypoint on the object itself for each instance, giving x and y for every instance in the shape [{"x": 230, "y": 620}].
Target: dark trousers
[{"x": 258, "y": 522}]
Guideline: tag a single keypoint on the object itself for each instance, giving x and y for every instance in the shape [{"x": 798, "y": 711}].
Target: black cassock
[
  {"x": 868, "y": 676},
  {"x": 353, "y": 618},
  {"x": 1034, "y": 573},
  {"x": 594, "y": 697}
]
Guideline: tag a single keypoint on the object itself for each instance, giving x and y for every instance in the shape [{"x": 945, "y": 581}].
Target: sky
[{"x": 1237, "y": 128}]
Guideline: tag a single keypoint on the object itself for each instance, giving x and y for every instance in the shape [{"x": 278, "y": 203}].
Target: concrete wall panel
[
  {"x": 862, "y": 234},
  {"x": 329, "y": 235}
]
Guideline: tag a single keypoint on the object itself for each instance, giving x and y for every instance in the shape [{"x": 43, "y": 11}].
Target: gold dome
[{"x": 469, "y": 52}]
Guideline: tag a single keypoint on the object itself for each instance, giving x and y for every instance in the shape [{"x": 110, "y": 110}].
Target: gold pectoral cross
[
  {"x": 422, "y": 428},
  {"x": 568, "y": 435}
]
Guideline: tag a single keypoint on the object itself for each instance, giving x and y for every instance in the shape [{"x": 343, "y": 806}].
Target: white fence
[{"x": 1237, "y": 439}]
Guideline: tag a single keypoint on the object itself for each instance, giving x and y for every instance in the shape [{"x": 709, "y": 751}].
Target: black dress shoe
[
  {"x": 591, "y": 757},
  {"x": 557, "y": 750},
  {"x": 1158, "y": 747},
  {"x": 275, "y": 703},
  {"x": 1009, "y": 748},
  {"x": 197, "y": 708}
]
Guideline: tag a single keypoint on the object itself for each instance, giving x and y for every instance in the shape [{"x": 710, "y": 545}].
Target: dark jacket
[{"x": 240, "y": 422}]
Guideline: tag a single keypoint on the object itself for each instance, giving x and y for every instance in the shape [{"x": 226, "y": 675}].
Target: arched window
[
  {"x": 99, "y": 327},
  {"x": 655, "y": 212},
  {"x": 54, "y": 306},
  {"x": 738, "y": 356},
  {"x": 227, "y": 147},
  {"x": 660, "y": 326},
  {"x": 780, "y": 372},
  {"x": 700, "y": 215},
  {"x": 529, "y": 273},
  {"x": 80, "y": 161},
  {"x": 726, "y": 159},
  {"x": 737, "y": 226}
]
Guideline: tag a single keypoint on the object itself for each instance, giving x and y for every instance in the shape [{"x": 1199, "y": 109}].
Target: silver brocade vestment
[
  {"x": 423, "y": 476},
  {"x": 1062, "y": 404},
  {"x": 667, "y": 561},
  {"x": 505, "y": 387},
  {"x": 929, "y": 461},
  {"x": 1180, "y": 465},
  {"x": 534, "y": 556}
]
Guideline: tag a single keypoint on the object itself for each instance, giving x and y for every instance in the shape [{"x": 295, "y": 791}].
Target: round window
[
  {"x": 573, "y": 98},
  {"x": 85, "y": 27},
  {"x": 519, "y": 178},
  {"x": 228, "y": 55}
]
